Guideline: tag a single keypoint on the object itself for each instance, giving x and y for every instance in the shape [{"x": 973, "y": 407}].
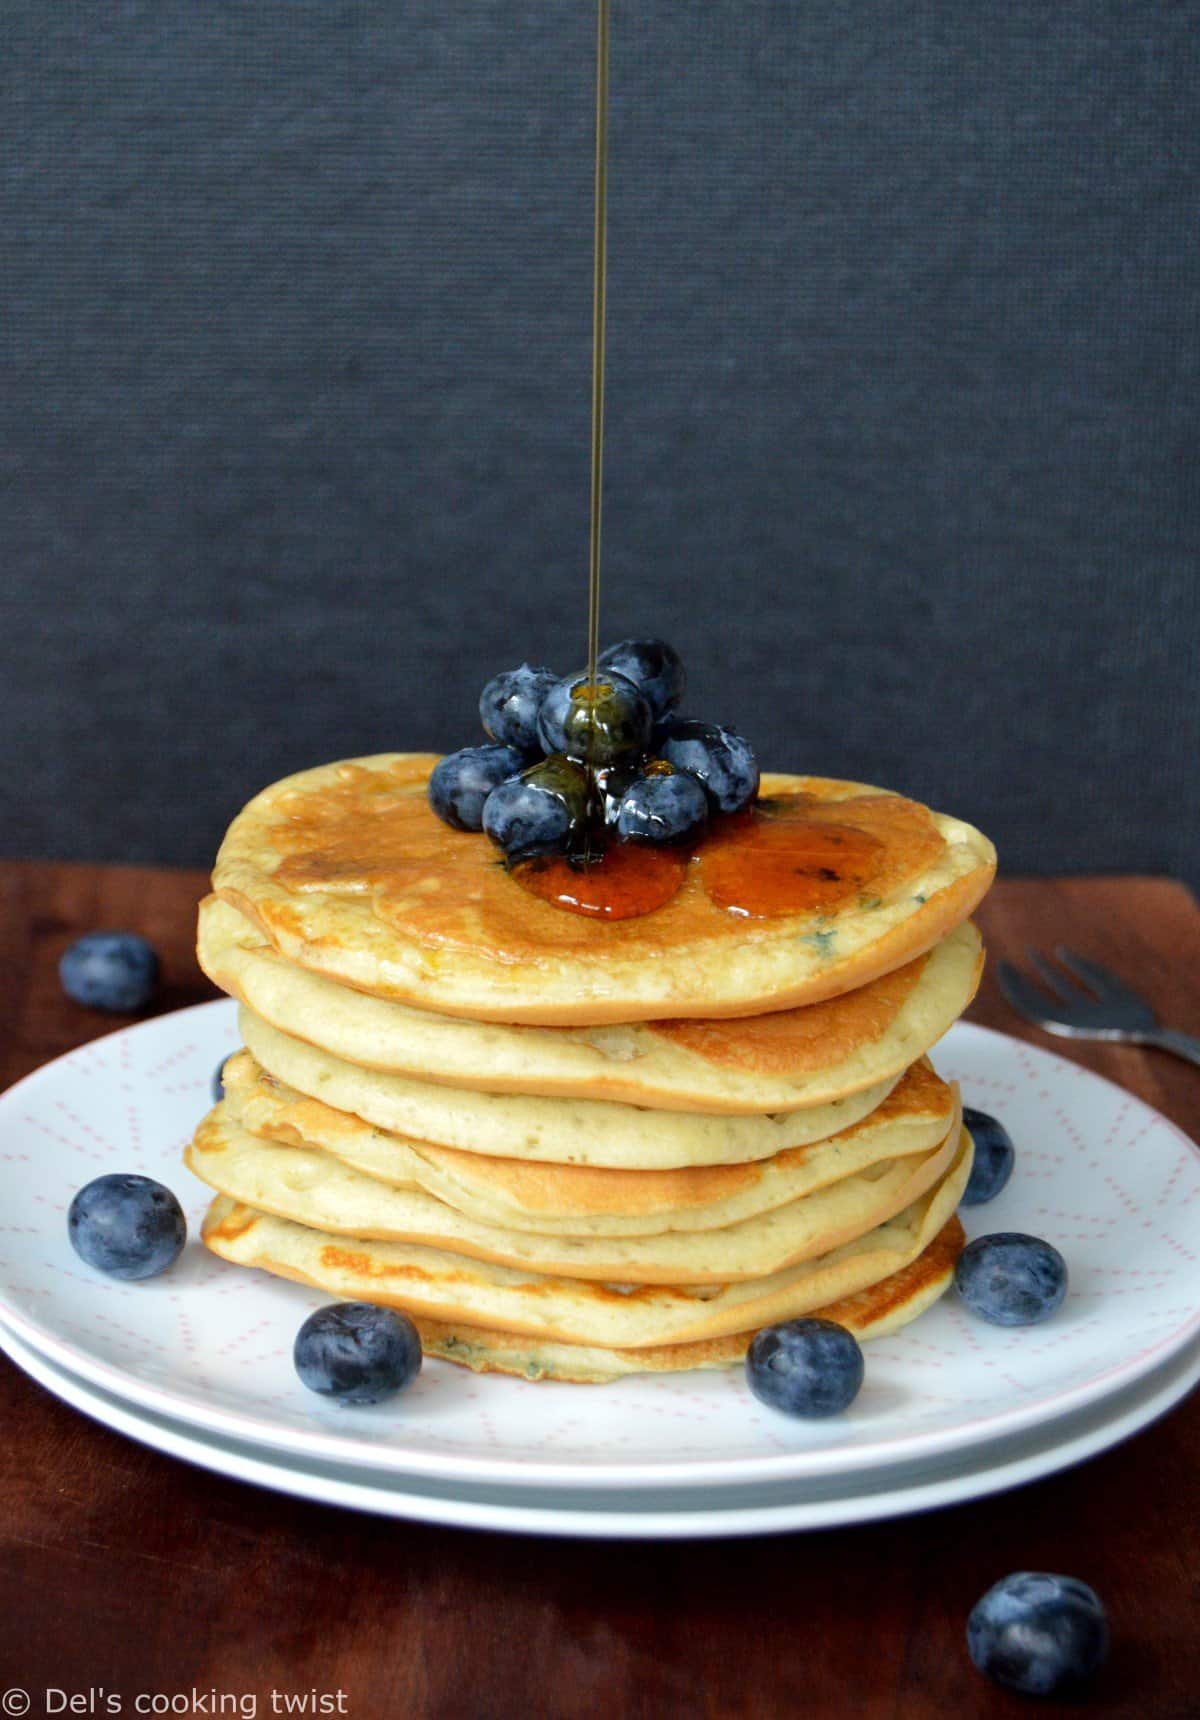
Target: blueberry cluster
[{"x": 572, "y": 758}]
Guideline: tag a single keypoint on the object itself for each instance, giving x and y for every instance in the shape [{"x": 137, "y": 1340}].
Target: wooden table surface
[{"x": 127, "y": 1572}]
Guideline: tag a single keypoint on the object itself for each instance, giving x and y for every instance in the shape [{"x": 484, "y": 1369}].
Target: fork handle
[{"x": 1182, "y": 1044}]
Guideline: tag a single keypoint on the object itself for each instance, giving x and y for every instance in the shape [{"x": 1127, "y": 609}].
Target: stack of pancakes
[{"x": 581, "y": 1147}]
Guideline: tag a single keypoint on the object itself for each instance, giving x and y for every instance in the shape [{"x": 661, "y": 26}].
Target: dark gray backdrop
[{"x": 903, "y": 384}]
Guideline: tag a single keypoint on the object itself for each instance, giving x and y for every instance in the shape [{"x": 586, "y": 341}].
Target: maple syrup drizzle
[
  {"x": 599, "y": 324},
  {"x": 775, "y": 858}
]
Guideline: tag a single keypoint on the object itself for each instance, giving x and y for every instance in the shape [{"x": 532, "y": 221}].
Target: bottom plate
[
  {"x": 669, "y": 1514},
  {"x": 1098, "y": 1173}
]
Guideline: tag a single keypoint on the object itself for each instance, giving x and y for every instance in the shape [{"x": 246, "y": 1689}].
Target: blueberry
[
  {"x": 537, "y": 812},
  {"x": 805, "y": 1367},
  {"x": 116, "y": 971},
  {"x": 462, "y": 781},
  {"x": 509, "y": 705},
  {"x": 1038, "y": 1633},
  {"x": 719, "y": 758},
  {"x": 126, "y": 1226},
  {"x": 654, "y": 667},
  {"x": 357, "y": 1352},
  {"x": 662, "y": 805},
  {"x": 1011, "y": 1280},
  {"x": 993, "y": 1157},
  {"x": 218, "y": 1080},
  {"x": 611, "y": 706}
]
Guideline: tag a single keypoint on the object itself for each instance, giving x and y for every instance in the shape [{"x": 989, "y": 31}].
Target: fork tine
[
  {"x": 1054, "y": 982},
  {"x": 1024, "y": 997},
  {"x": 1106, "y": 985}
]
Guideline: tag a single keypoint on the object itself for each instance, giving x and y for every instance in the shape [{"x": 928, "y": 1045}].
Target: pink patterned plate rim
[
  {"x": 1110, "y": 1181},
  {"x": 643, "y": 1514}
]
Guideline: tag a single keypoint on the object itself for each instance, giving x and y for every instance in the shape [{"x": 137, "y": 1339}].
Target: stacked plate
[{"x": 198, "y": 1363}]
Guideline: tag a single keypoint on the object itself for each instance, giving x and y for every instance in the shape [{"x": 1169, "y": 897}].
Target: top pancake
[{"x": 348, "y": 872}]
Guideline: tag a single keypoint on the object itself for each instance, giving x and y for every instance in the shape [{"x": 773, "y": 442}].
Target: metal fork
[{"x": 1098, "y": 1006}]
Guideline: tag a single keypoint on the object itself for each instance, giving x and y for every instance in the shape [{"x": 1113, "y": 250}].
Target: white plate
[
  {"x": 646, "y": 1514},
  {"x": 1114, "y": 1184}
]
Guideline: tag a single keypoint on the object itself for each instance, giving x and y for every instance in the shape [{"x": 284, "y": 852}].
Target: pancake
[
  {"x": 561, "y": 1131},
  {"x": 873, "y": 1313},
  {"x": 348, "y": 872},
  {"x": 435, "y": 1284},
  {"x": 776, "y": 1062},
  {"x": 581, "y": 1200},
  {"x": 317, "y": 1190}
]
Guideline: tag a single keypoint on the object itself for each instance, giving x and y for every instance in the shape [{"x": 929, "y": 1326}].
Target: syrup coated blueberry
[
  {"x": 718, "y": 758},
  {"x": 115, "y": 971},
  {"x": 537, "y": 812},
  {"x": 357, "y": 1352},
  {"x": 993, "y": 1157},
  {"x": 1038, "y": 1633},
  {"x": 1011, "y": 1280},
  {"x": 509, "y": 705},
  {"x": 805, "y": 1367},
  {"x": 612, "y": 782},
  {"x": 462, "y": 781},
  {"x": 663, "y": 805},
  {"x": 126, "y": 1226},
  {"x": 601, "y": 722},
  {"x": 655, "y": 668}
]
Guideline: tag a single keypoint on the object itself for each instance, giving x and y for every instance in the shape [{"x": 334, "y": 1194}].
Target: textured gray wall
[{"x": 903, "y": 396}]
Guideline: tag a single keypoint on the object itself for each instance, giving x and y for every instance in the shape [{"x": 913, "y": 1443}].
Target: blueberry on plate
[
  {"x": 357, "y": 1352},
  {"x": 655, "y": 668},
  {"x": 993, "y": 1157},
  {"x": 1038, "y": 1633},
  {"x": 509, "y": 705},
  {"x": 462, "y": 781},
  {"x": 115, "y": 971},
  {"x": 218, "y": 1080},
  {"x": 718, "y": 758},
  {"x": 1011, "y": 1280},
  {"x": 126, "y": 1226},
  {"x": 805, "y": 1367},
  {"x": 601, "y": 721},
  {"x": 536, "y": 812},
  {"x": 661, "y": 805}
]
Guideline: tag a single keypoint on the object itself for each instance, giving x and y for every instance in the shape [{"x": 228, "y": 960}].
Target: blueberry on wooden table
[
  {"x": 114, "y": 971},
  {"x": 357, "y": 1352},
  {"x": 721, "y": 761},
  {"x": 994, "y": 1157},
  {"x": 461, "y": 782},
  {"x": 655, "y": 668},
  {"x": 1010, "y": 1279},
  {"x": 805, "y": 1367},
  {"x": 510, "y": 703},
  {"x": 1041, "y": 1634},
  {"x": 126, "y": 1226}
]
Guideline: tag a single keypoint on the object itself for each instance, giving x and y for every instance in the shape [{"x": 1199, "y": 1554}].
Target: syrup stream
[
  {"x": 599, "y": 306},
  {"x": 599, "y": 302}
]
